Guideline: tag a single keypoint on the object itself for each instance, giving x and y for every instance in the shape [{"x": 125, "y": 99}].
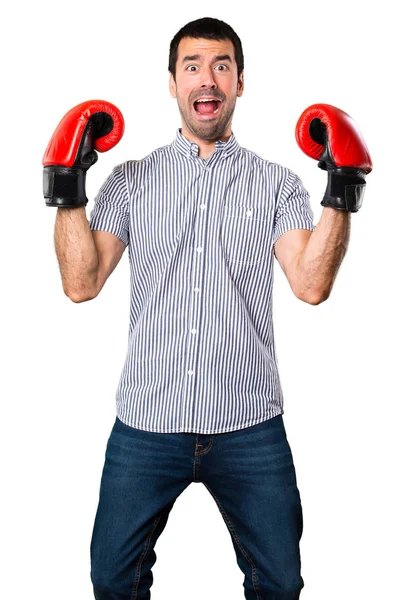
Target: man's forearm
[
  {"x": 76, "y": 253},
  {"x": 319, "y": 262}
]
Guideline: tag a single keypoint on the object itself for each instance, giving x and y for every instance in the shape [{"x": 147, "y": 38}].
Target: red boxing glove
[
  {"x": 331, "y": 136},
  {"x": 92, "y": 125}
]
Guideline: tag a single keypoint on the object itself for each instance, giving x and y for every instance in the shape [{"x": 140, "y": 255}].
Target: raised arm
[
  {"x": 311, "y": 260},
  {"x": 86, "y": 258}
]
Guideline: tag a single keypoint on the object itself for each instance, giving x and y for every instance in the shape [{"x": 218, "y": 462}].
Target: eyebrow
[{"x": 197, "y": 57}]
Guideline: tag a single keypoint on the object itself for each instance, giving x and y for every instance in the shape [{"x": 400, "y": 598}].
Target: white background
[{"x": 343, "y": 364}]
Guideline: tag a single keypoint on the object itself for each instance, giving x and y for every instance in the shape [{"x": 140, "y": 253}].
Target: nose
[{"x": 207, "y": 78}]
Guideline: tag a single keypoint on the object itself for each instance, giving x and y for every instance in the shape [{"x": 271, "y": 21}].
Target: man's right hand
[{"x": 90, "y": 126}]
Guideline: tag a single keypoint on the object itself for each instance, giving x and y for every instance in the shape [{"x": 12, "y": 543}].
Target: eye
[{"x": 188, "y": 68}]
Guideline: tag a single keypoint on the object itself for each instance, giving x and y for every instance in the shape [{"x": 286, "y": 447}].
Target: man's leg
[
  {"x": 251, "y": 476},
  {"x": 144, "y": 473}
]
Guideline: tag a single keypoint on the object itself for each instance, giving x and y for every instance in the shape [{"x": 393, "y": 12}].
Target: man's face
[{"x": 206, "y": 68}]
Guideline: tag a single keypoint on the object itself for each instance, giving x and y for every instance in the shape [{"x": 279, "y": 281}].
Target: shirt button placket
[{"x": 198, "y": 275}]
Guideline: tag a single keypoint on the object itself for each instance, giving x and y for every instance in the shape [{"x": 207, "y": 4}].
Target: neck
[{"x": 206, "y": 147}]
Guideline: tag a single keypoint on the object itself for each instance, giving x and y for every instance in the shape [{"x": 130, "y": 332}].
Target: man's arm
[
  {"x": 311, "y": 260},
  {"x": 86, "y": 258}
]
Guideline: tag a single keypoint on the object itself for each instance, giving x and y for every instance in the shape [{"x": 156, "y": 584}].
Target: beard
[{"x": 208, "y": 130}]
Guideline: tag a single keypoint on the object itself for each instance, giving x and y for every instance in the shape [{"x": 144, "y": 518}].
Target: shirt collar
[{"x": 191, "y": 149}]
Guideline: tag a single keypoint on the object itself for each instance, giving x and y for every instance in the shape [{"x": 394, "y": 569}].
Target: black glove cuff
[
  {"x": 345, "y": 189},
  {"x": 64, "y": 187}
]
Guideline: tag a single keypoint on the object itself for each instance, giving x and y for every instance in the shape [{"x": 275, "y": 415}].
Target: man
[{"x": 199, "y": 399}]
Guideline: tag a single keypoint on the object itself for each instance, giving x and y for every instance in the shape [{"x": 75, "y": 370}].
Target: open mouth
[{"x": 207, "y": 108}]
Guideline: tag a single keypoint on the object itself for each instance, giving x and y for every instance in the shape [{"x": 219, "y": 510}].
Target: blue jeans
[{"x": 251, "y": 476}]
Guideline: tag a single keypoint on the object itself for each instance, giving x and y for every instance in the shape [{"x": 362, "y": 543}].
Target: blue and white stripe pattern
[{"x": 200, "y": 235}]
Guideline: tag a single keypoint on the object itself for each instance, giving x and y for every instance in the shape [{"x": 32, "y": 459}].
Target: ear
[
  {"x": 240, "y": 84},
  {"x": 172, "y": 86}
]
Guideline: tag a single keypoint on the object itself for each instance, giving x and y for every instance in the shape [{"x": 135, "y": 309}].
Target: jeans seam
[
  {"x": 236, "y": 538},
  {"x": 138, "y": 567}
]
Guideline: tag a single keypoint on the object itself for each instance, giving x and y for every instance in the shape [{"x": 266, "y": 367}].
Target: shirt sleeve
[
  {"x": 111, "y": 209},
  {"x": 294, "y": 208}
]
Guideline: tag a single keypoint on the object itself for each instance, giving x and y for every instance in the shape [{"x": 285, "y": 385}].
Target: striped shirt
[{"x": 200, "y": 234}]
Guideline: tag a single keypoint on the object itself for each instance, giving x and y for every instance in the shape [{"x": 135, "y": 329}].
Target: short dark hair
[{"x": 209, "y": 29}]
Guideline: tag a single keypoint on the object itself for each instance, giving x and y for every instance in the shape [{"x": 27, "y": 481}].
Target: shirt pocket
[{"x": 246, "y": 234}]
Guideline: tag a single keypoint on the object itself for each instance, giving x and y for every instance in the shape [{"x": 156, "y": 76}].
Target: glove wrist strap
[
  {"x": 64, "y": 187},
  {"x": 345, "y": 189}
]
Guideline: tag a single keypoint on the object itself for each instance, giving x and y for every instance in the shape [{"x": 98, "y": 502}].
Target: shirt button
[
  {"x": 196, "y": 290},
  {"x": 203, "y": 206},
  {"x": 190, "y": 372},
  {"x": 193, "y": 331},
  {"x": 199, "y": 249}
]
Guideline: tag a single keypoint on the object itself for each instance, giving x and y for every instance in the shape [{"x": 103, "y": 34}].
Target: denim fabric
[{"x": 251, "y": 476}]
